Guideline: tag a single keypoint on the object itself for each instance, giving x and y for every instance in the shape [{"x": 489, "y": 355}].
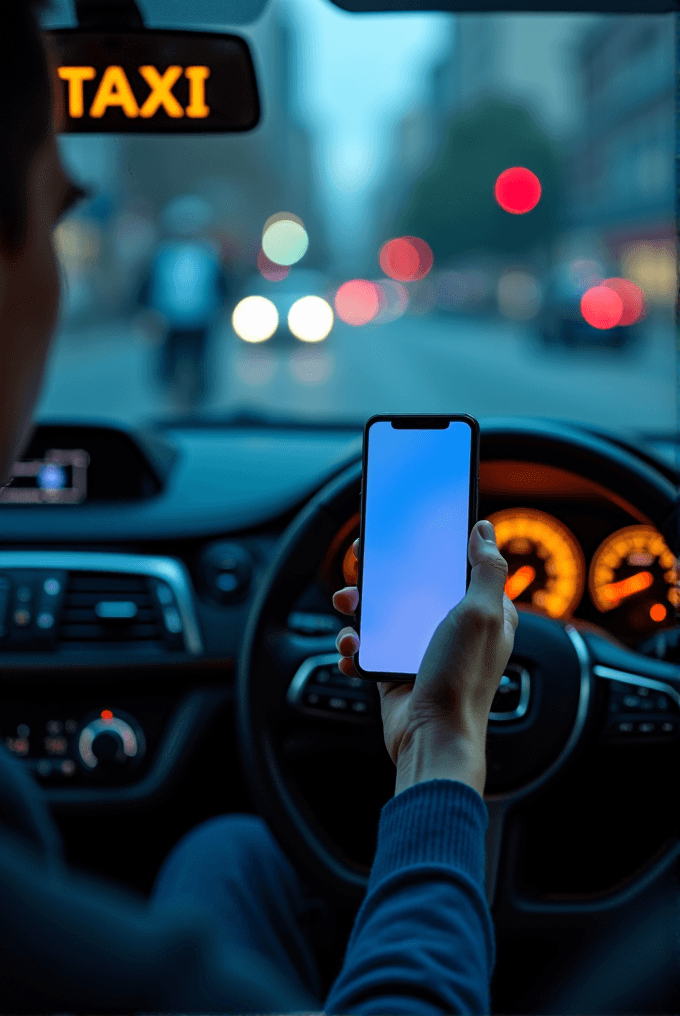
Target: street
[{"x": 433, "y": 363}]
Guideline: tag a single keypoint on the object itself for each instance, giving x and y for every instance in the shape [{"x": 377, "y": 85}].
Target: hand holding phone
[{"x": 435, "y": 727}]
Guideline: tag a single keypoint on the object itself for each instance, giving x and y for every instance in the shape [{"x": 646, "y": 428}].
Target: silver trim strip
[
  {"x": 297, "y": 687},
  {"x": 524, "y": 692},
  {"x": 166, "y": 568},
  {"x": 609, "y": 674}
]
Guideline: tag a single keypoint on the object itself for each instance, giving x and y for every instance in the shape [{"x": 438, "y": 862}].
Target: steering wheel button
[
  {"x": 312, "y": 699},
  {"x": 631, "y": 701},
  {"x": 646, "y": 728},
  {"x": 322, "y": 676},
  {"x": 668, "y": 728},
  {"x": 338, "y": 703},
  {"x": 625, "y": 727},
  {"x": 359, "y": 707}
]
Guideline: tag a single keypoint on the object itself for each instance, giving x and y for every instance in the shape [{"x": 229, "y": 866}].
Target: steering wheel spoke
[{"x": 643, "y": 694}]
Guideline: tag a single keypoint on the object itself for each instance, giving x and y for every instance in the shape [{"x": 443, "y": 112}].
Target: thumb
[{"x": 489, "y": 567}]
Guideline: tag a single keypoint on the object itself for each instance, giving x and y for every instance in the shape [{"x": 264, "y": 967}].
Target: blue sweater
[{"x": 69, "y": 942}]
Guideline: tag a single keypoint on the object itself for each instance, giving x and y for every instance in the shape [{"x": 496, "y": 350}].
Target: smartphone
[{"x": 418, "y": 504}]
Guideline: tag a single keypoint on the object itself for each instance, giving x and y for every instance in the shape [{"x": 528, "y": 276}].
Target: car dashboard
[{"x": 122, "y": 618}]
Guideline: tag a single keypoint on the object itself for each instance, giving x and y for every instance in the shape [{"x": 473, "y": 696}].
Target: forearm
[{"x": 430, "y": 755}]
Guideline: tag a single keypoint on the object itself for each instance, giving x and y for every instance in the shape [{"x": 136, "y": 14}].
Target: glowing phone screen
[{"x": 417, "y": 493}]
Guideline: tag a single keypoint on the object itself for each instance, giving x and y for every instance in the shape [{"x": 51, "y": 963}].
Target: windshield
[{"x": 437, "y": 213}]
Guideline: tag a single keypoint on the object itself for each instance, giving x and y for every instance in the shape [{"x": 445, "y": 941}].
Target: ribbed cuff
[{"x": 439, "y": 821}]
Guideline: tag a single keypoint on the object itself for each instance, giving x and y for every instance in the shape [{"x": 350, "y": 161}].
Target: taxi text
[{"x": 114, "y": 90}]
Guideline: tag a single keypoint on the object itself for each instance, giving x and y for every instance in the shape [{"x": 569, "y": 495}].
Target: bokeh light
[
  {"x": 657, "y": 612},
  {"x": 519, "y": 296},
  {"x": 632, "y": 299},
  {"x": 517, "y": 190},
  {"x": 394, "y": 301},
  {"x": 311, "y": 366},
  {"x": 601, "y": 307},
  {"x": 257, "y": 365},
  {"x": 255, "y": 319},
  {"x": 406, "y": 258},
  {"x": 652, "y": 266},
  {"x": 269, "y": 270},
  {"x": 310, "y": 319},
  {"x": 284, "y": 238},
  {"x": 357, "y": 302}
]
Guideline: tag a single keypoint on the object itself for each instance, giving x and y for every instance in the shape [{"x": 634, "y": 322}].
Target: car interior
[{"x": 168, "y": 558}]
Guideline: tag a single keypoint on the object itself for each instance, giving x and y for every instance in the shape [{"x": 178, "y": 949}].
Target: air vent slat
[
  {"x": 88, "y": 617},
  {"x": 78, "y": 615}
]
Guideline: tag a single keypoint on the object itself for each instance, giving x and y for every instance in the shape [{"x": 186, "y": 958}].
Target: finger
[
  {"x": 346, "y": 600},
  {"x": 347, "y": 642},
  {"x": 346, "y": 666},
  {"x": 489, "y": 567}
]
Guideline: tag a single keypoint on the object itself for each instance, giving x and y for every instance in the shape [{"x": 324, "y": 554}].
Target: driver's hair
[{"x": 25, "y": 111}]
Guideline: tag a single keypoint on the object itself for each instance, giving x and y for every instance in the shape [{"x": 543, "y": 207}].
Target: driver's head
[{"x": 34, "y": 193}]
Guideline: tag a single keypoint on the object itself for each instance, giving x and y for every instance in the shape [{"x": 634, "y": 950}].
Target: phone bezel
[{"x": 411, "y": 421}]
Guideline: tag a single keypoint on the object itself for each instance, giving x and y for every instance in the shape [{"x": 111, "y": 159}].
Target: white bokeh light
[
  {"x": 310, "y": 319},
  {"x": 255, "y": 319}
]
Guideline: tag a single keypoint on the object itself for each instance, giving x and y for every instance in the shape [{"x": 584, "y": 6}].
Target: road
[{"x": 435, "y": 363}]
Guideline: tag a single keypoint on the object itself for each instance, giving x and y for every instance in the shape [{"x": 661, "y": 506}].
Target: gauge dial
[
  {"x": 633, "y": 573},
  {"x": 546, "y": 567}
]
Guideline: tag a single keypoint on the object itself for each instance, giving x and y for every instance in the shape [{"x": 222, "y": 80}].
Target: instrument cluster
[{"x": 568, "y": 557}]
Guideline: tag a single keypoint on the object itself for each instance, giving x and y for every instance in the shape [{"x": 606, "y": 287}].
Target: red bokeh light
[
  {"x": 632, "y": 298},
  {"x": 406, "y": 258},
  {"x": 269, "y": 269},
  {"x": 357, "y": 302},
  {"x": 517, "y": 190},
  {"x": 106, "y": 714},
  {"x": 601, "y": 307}
]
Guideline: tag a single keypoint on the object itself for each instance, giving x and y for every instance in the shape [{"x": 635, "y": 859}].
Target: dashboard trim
[{"x": 168, "y": 569}]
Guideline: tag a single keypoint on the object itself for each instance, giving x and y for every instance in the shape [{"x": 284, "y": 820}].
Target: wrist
[{"x": 431, "y": 756}]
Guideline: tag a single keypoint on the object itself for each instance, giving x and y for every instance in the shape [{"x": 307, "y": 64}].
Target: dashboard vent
[{"x": 111, "y": 610}]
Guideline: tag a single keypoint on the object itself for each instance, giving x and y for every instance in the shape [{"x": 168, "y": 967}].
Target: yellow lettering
[
  {"x": 114, "y": 90},
  {"x": 161, "y": 94},
  {"x": 197, "y": 77},
  {"x": 75, "y": 77}
]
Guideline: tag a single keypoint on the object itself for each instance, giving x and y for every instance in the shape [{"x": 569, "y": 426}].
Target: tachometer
[
  {"x": 633, "y": 573},
  {"x": 546, "y": 567}
]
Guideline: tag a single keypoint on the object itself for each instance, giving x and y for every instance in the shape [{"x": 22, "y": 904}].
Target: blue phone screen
[{"x": 417, "y": 494}]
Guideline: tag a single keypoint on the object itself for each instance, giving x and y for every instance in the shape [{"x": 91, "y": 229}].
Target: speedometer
[
  {"x": 546, "y": 567},
  {"x": 633, "y": 574}
]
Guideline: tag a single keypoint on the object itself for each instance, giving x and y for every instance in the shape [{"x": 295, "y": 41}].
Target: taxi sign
[{"x": 153, "y": 82}]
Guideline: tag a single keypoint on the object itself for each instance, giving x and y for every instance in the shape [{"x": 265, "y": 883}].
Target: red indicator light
[
  {"x": 632, "y": 298},
  {"x": 601, "y": 307},
  {"x": 106, "y": 714},
  {"x": 269, "y": 269},
  {"x": 406, "y": 259},
  {"x": 357, "y": 302},
  {"x": 517, "y": 190}
]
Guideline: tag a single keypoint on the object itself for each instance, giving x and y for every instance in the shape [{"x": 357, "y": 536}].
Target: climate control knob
[{"x": 110, "y": 743}]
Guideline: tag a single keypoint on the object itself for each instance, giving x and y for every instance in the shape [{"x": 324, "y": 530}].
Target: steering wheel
[{"x": 554, "y": 666}]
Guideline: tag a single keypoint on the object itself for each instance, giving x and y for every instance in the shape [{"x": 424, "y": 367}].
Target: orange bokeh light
[
  {"x": 517, "y": 190},
  {"x": 657, "y": 612},
  {"x": 601, "y": 307},
  {"x": 357, "y": 302},
  {"x": 632, "y": 298}
]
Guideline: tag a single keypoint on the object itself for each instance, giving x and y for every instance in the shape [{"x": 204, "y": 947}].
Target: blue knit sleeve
[{"x": 422, "y": 941}]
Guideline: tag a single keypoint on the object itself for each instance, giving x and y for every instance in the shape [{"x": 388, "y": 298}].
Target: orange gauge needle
[
  {"x": 517, "y": 583},
  {"x": 615, "y": 591}
]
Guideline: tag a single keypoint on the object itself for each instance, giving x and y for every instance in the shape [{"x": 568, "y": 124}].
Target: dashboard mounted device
[{"x": 113, "y": 75}]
